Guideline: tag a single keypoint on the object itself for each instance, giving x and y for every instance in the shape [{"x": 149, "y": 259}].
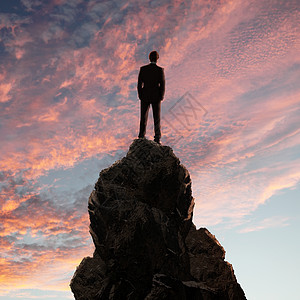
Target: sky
[{"x": 69, "y": 108}]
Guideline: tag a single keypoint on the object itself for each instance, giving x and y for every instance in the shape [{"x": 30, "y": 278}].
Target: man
[{"x": 151, "y": 90}]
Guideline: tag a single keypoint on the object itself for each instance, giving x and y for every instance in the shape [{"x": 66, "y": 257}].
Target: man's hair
[{"x": 153, "y": 56}]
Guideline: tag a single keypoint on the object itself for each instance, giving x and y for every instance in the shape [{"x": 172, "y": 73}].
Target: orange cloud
[{"x": 4, "y": 91}]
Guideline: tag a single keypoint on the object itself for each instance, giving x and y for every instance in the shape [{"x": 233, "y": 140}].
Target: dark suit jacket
[{"x": 151, "y": 83}]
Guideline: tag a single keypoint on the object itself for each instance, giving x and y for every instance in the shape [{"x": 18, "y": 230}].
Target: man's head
[{"x": 153, "y": 56}]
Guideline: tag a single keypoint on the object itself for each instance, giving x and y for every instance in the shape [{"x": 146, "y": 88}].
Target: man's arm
[
  {"x": 162, "y": 84},
  {"x": 140, "y": 84}
]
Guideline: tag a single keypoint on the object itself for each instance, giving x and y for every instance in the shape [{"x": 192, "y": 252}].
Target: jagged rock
[
  {"x": 207, "y": 264},
  {"x": 146, "y": 245},
  {"x": 151, "y": 174}
]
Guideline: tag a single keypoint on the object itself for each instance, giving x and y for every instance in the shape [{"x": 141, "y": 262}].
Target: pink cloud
[
  {"x": 68, "y": 93},
  {"x": 274, "y": 222}
]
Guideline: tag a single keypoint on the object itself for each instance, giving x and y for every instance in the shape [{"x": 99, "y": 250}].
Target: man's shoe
[{"x": 157, "y": 141}]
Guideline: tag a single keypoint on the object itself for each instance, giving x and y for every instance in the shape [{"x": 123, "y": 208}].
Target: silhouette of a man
[{"x": 151, "y": 90}]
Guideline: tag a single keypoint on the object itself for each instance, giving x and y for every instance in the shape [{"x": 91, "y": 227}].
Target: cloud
[
  {"x": 274, "y": 222},
  {"x": 4, "y": 91},
  {"x": 68, "y": 95},
  {"x": 38, "y": 233}
]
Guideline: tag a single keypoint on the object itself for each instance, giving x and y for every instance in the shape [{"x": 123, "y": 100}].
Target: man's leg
[
  {"x": 144, "y": 117},
  {"x": 156, "y": 117}
]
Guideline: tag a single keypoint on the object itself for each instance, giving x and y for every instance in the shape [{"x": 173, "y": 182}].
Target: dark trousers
[{"x": 144, "y": 117}]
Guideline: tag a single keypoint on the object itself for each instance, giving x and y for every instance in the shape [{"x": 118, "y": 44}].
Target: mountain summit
[{"x": 146, "y": 246}]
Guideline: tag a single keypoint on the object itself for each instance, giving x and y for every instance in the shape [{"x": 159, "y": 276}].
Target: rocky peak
[
  {"x": 146, "y": 246},
  {"x": 152, "y": 174}
]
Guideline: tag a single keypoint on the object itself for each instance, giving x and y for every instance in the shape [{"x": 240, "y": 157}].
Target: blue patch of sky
[
  {"x": 272, "y": 251},
  {"x": 81, "y": 175},
  {"x": 111, "y": 98},
  {"x": 13, "y": 7}
]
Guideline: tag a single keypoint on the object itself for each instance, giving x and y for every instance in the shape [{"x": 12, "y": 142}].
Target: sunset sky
[{"x": 69, "y": 108}]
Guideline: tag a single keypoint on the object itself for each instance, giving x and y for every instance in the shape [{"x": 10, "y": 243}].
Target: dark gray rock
[
  {"x": 207, "y": 264},
  {"x": 146, "y": 245}
]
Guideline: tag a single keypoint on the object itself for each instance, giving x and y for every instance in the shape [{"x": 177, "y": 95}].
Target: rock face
[{"x": 146, "y": 244}]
